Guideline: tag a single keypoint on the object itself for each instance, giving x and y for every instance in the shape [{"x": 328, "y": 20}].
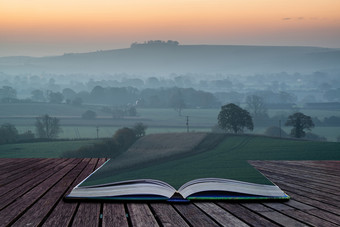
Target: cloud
[{"x": 293, "y": 18}]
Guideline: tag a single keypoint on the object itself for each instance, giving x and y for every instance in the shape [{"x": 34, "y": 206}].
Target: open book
[{"x": 176, "y": 181}]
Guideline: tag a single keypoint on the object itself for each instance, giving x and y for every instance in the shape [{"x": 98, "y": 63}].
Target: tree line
[{"x": 234, "y": 119}]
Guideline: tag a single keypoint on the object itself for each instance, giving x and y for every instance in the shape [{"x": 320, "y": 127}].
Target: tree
[
  {"x": 139, "y": 129},
  {"x": 300, "y": 122},
  {"x": 68, "y": 93},
  {"x": 37, "y": 95},
  {"x": 89, "y": 115},
  {"x": 233, "y": 118},
  {"x": 177, "y": 102},
  {"x": 256, "y": 106},
  {"x": 124, "y": 137},
  {"x": 8, "y": 133},
  {"x": 77, "y": 101},
  {"x": 131, "y": 111},
  {"x": 47, "y": 127},
  {"x": 55, "y": 97},
  {"x": 7, "y": 92}
]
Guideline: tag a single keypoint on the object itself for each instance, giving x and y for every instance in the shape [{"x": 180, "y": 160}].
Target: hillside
[
  {"x": 155, "y": 147},
  {"x": 146, "y": 60},
  {"x": 229, "y": 158},
  {"x": 168, "y": 147}
]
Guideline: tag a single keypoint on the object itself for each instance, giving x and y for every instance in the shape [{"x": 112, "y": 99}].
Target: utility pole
[
  {"x": 187, "y": 123},
  {"x": 97, "y": 128}
]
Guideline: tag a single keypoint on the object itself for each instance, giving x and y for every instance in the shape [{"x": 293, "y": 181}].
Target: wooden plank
[
  {"x": 314, "y": 176},
  {"x": 93, "y": 219},
  {"x": 310, "y": 201},
  {"x": 256, "y": 207},
  {"x": 114, "y": 215},
  {"x": 327, "y": 183},
  {"x": 221, "y": 216},
  {"x": 194, "y": 216},
  {"x": 250, "y": 217},
  {"x": 27, "y": 168},
  {"x": 273, "y": 214},
  {"x": 325, "y": 167},
  {"x": 298, "y": 205},
  {"x": 15, "y": 209},
  {"x": 309, "y": 189},
  {"x": 167, "y": 215},
  {"x": 322, "y": 198},
  {"x": 12, "y": 165},
  {"x": 7, "y": 171},
  {"x": 64, "y": 211},
  {"x": 37, "y": 213},
  {"x": 27, "y": 176},
  {"x": 89, "y": 210},
  {"x": 314, "y": 211},
  {"x": 302, "y": 182},
  {"x": 141, "y": 215},
  {"x": 303, "y": 216},
  {"x": 308, "y": 219},
  {"x": 325, "y": 215},
  {"x": 4, "y": 162},
  {"x": 42, "y": 175},
  {"x": 282, "y": 219}
]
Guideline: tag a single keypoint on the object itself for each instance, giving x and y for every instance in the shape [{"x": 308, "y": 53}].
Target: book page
[{"x": 176, "y": 170}]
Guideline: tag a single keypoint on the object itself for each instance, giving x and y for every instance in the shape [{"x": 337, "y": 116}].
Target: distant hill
[{"x": 159, "y": 59}]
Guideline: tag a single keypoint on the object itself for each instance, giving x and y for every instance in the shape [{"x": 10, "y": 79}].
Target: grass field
[
  {"x": 41, "y": 149},
  {"x": 227, "y": 160},
  {"x": 23, "y": 116}
]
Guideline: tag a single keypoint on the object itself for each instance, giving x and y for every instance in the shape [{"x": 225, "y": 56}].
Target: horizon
[
  {"x": 38, "y": 28},
  {"x": 180, "y": 44}
]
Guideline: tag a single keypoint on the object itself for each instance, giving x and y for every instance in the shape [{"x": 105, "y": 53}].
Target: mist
[{"x": 121, "y": 84}]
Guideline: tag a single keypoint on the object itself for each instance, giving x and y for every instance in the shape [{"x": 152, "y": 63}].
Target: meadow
[
  {"x": 227, "y": 160},
  {"x": 41, "y": 149},
  {"x": 23, "y": 116}
]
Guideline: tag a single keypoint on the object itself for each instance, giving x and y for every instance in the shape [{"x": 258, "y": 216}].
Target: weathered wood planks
[{"x": 32, "y": 191}]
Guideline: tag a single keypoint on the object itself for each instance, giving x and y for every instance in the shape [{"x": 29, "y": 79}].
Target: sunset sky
[{"x": 45, "y": 27}]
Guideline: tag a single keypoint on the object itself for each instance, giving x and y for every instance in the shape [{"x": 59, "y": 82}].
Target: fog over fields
[
  {"x": 163, "y": 58},
  {"x": 160, "y": 82}
]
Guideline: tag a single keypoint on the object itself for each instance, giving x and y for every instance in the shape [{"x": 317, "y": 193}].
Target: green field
[
  {"x": 229, "y": 156},
  {"x": 41, "y": 149},
  {"x": 23, "y": 116},
  {"x": 227, "y": 160}
]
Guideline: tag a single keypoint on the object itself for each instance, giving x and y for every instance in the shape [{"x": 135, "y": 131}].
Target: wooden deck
[{"x": 31, "y": 192}]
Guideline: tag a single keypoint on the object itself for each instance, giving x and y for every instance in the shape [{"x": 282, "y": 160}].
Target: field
[
  {"x": 158, "y": 146},
  {"x": 40, "y": 149},
  {"x": 23, "y": 116},
  {"x": 228, "y": 158}
]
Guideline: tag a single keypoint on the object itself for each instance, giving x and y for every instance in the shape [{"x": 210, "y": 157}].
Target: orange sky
[{"x": 44, "y": 27}]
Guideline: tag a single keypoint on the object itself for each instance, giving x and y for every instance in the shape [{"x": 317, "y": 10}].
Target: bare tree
[
  {"x": 47, "y": 127},
  {"x": 139, "y": 128},
  {"x": 256, "y": 106},
  {"x": 177, "y": 102}
]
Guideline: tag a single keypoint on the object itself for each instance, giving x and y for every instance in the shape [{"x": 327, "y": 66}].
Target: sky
[{"x": 46, "y": 27}]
